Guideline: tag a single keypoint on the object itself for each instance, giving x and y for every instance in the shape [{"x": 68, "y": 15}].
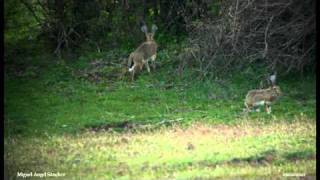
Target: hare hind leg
[
  {"x": 248, "y": 108},
  {"x": 268, "y": 108},
  {"x": 134, "y": 70},
  {"x": 153, "y": 60},
  {"x": 147, "y": 65},
  {"x": 132, "y": 75}
]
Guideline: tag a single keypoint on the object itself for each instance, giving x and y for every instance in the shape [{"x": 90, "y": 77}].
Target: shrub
[{"x": 277, "y": 36}]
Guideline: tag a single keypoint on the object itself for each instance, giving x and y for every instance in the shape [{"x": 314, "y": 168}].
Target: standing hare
[
  {"x": 145, "y": 52},
  {"x": 263, "y": 97}
]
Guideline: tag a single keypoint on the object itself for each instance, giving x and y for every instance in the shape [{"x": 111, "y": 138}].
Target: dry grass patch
[{"x": 170, "y": 152}]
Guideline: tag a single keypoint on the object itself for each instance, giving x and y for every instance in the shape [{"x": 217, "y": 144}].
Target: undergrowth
[{"x": 49, "y": 96}]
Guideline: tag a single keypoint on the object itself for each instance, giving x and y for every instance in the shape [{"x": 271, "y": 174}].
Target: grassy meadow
[{"x": 79, "y": 118}]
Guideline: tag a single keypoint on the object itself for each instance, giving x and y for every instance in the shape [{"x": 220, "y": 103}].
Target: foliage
[
  {"x": 220, "y": 36},
  {"x": 277, "y": 36},
  {"x": 73, "y": 26}
]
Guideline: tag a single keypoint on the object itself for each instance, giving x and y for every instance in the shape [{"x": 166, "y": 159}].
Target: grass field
[{"x": 154, "y": 128}]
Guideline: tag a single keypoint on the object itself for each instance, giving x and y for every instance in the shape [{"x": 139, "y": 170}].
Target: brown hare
[
  {"x": 263, "y": 97},
  {"x": 144, "y": 53}
]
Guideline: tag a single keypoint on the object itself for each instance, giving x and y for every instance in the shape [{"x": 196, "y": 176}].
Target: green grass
[
  {"x": 49, "y": 111},
  {"x": 225, "y": 151},
  {"x": 70, "y": 104}
]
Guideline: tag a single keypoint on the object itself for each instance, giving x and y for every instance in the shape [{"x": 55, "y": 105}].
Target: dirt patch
[
  {"x": 120, "y": 126},
  {"x": 101, "y": 69},
  {"x": 218, "y": 130}
]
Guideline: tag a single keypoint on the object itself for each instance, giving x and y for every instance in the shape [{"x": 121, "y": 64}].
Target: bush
[{"x": 277, "y": 36}]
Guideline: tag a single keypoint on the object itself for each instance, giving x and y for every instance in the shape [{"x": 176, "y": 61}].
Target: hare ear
[
  {"x": 154, "y": 28},
  {"x": 144, "y": 29}
]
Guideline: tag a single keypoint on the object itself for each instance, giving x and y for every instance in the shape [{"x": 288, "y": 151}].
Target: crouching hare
[
  {"x": 144, "y": 53},
  {"x": 263, "y": 97}
]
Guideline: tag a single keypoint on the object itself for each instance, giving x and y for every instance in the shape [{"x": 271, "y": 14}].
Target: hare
[
  {"x": 259, "y": 97},
  {"x": 144, "y": 53}
]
